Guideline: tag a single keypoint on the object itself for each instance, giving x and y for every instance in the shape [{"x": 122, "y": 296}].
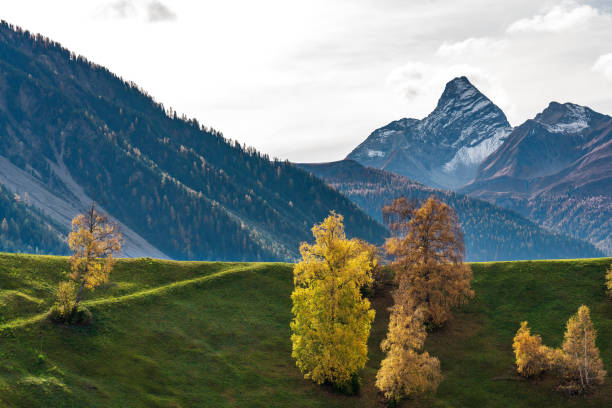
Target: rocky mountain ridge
[{"x": 445, "y": 148}]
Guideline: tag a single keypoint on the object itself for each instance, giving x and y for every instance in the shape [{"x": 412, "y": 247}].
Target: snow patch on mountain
[
  {"x": 375, "y": 153},
  {"x": 463, "y": 129},
  {"x": 473, "y": 155},
  {"x": 575, "y": 119},
  {"x": 573, "y": 127}
]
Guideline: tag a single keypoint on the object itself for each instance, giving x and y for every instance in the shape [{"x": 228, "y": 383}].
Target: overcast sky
[{"x": 309, "y": 80}]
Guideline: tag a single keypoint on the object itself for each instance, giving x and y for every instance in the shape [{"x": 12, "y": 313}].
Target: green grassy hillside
[{"x": 194, "y": 334}]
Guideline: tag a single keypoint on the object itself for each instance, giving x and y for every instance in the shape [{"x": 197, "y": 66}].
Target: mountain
[
  {"x": 491, "y": 233},
  {"x": 24, "y": 229},
  {"x": 445, "y": 148},
  {"x": 555, "y": 169},
  {"x": 72, "y": 132}
]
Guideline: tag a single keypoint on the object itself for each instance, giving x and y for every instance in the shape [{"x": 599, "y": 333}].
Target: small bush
[
  {"x": 556, "y": 361},
  {"x": 66, "y": 295},
  {"x": 80, "y": 316},
  {"x": 351, "y": 387},
  {"x": 531, "y": 355}
]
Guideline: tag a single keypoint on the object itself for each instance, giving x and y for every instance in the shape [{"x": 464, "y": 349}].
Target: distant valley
[
  {"x": 555, "y": 169},
  {"x": 491, "y": 232},
  {"x": 72, "y": 133}
]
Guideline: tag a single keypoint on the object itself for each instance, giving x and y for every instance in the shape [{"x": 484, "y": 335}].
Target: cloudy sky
[{"x": 309, "y": 80}]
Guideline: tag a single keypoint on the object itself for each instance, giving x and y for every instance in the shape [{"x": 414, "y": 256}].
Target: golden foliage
[
  {"x": 532, "y": 358},
  {"x": 332, "y": 320},
  {"x": 66, "y": 294},
  {"x": 94, "y": 240},
  {"x": 577, "y": 362},
  {"x": 406, "y": 370},
  {"x": 428, "y": 258},
  {"x": 584, "y": 365}
]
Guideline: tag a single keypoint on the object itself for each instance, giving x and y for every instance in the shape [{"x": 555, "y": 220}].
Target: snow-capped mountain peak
[
  {"x": 566, "y": 118},
  {"x": 445, "y": 148}
]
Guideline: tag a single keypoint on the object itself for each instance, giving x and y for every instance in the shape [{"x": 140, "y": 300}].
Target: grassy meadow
[{"x": 210, "y": 334}]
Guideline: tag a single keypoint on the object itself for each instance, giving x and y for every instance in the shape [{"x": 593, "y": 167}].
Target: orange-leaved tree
[
  {"x": 331, "y": 319},
  {"x": 427, "y": 251},
  {"x": 94, "y": 240},
  {"x": 407, "y": 369}
]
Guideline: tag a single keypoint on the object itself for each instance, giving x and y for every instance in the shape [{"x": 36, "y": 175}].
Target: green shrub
[
  {"x": 351, "y": 387},
  {"x": 80, "y": 316}
]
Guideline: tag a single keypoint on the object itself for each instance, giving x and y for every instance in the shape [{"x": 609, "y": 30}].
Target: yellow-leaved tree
[
  {"x": 531, "y": 355},
  {"x": 94, "y": 240},
  {"x": 427, "y": 250},
  {"x": 584, "y": 366},
  {"x": 331, "y": 319},
  {"x": 407, "y": 369}
]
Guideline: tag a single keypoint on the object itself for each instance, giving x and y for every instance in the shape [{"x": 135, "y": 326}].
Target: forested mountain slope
[
  {"x": 72, "y": 132},
  {"x": 556, "y": 169},
  {"x": 491, "y": 233},
  {"x": 24, "y": 229}
]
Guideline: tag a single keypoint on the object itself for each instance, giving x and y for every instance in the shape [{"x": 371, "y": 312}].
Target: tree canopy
[
  {"x": 94, "y": 240},
  {"x": 332, "y": 319},
  {"x": 428, "y": 257}
]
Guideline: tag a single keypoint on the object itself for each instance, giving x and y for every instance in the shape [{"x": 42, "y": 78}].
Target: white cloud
[
  {"x": 471, "y": 47},
  {"x": 157, "y": 11},
  {"x": 604, "y": 65},
  {"x": 152, "y": 11},
  {"x": 559, "y": 18},
  {"x": 421, "y": 84},
  {"x": 307, "y": 81}
]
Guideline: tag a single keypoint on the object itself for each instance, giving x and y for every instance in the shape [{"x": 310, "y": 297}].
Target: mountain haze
[
  {"x": 72, "y": 132},
  {"x": 555, "y": 169},
  {"x": 491, "y": 233}
]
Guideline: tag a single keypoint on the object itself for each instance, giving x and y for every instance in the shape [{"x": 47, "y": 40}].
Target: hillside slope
[
  {"x": 555, "y": 169},
  {"x": 491, "y": 233},
  {"x": 182, "y": 334},
  {"x": 72, "y": 132},
  {"x": 24, "y": 229}
]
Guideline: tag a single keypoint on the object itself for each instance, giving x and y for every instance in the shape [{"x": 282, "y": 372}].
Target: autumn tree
[
  {"x": 407, "y": 369},
  {"x": 531, "y": 356},
  {"x": 427, "y": 251},
  {"x": 332, "y": 320},
  {"x": 583, "y": 364},
  {"x": 94, "y": 240}
]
